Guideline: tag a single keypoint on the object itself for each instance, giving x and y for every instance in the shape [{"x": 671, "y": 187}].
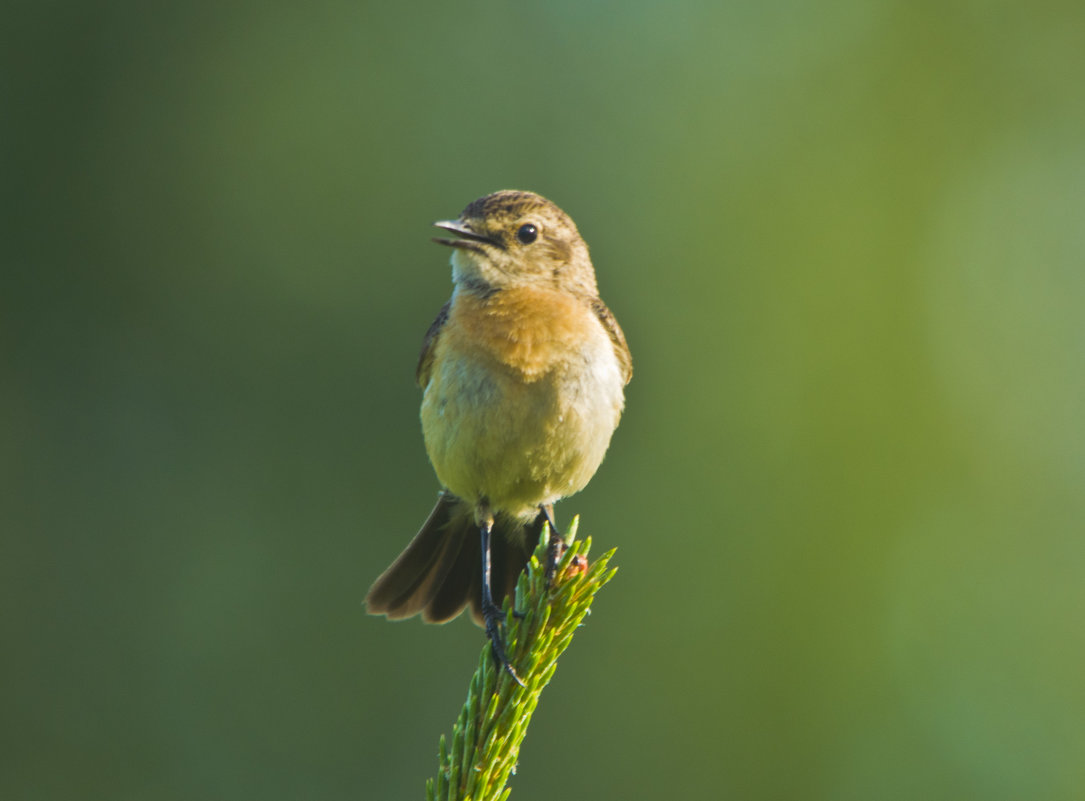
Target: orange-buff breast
[{"x": 527, "y": 329}]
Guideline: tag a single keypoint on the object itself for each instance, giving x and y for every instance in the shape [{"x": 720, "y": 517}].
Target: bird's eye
[{"x": 527, "y": 234}]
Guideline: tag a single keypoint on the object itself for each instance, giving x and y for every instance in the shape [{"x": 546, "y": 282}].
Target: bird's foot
[
  {"x": 555, "y": 548},
  {"x": 554, "y": 551},
  {"x": 493, "y": 616}
]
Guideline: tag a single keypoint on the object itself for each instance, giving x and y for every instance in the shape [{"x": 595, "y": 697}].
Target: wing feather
[
  {"x": 429, "y": 344},
  {"x": 617, "y": 338}
]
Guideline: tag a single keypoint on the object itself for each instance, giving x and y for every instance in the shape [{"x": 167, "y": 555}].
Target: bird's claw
[
  {"x": 555, "y": 550},
  {"x": 493, "y": 617}
]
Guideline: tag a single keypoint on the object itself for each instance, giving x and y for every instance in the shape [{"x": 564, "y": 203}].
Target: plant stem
[{"x": 487, "y": 736}]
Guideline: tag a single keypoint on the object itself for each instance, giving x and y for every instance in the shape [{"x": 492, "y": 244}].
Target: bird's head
[{"x": 512, "y": 239}]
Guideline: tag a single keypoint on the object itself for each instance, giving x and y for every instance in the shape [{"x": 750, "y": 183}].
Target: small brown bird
[{"x": 522, "y": 375}]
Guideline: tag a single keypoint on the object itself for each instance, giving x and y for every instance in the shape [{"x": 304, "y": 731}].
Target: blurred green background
[{"x": 846, "y": 241}]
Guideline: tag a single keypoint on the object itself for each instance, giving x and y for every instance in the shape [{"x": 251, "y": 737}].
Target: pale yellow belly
[{"x": 516, "y": 443}]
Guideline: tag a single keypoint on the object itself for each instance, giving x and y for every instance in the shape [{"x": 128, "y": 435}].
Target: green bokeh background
[{"x": 846, "y": 241}]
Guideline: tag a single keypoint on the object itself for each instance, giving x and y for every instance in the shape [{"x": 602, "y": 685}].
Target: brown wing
[
  {"x": 617, "y": 338},
  {"x": 425, "y": 358}
]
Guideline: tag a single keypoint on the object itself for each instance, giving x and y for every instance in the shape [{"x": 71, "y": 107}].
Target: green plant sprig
[{"x": 487, "y": 736}]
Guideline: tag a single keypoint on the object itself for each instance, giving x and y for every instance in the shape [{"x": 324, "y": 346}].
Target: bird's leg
[
  {"x": 556, "y": 546},
  {"x": 491, "y": 613}
]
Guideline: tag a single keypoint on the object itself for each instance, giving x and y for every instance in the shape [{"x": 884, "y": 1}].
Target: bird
[{"x": 523, "y": 377}]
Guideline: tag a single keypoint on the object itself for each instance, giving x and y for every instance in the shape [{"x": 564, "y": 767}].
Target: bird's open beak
[{"x": 465, "y": 237}]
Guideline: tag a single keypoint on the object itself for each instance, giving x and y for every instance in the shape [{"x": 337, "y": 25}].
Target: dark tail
[{"x": 440, "y": 571}]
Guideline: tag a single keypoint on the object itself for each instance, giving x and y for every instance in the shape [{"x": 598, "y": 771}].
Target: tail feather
[
  {"x": 440, "y": 570},
  {"x": 409, "y": 582},
  {"x": 462, "y": 584}
]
